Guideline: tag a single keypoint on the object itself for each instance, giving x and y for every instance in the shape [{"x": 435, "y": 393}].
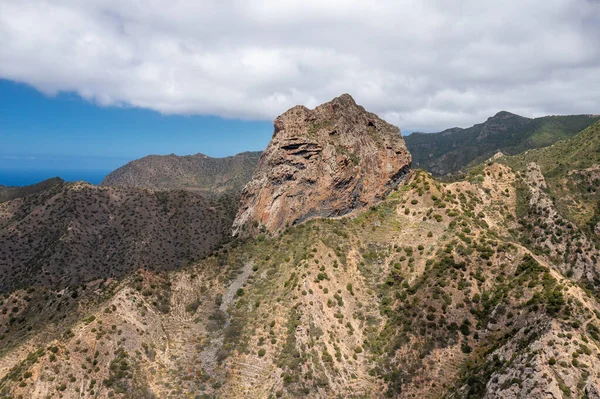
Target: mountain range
[
  {"x": 331, "y": 265},
  {"x": 453, "y": 149}
]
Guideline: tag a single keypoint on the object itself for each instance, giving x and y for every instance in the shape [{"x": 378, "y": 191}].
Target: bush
[{"x": 192, "y": 307}]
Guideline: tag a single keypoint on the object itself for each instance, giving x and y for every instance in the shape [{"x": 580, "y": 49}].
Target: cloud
[{"x": 421, "y": 64}]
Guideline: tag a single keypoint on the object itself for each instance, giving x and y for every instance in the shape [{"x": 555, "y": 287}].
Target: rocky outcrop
[
  {"x": 322, "y": 163},
  {"x": 548, "y": 230}
]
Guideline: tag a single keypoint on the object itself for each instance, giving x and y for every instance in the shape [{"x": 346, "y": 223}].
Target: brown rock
[{"x": 322, "y": 163}]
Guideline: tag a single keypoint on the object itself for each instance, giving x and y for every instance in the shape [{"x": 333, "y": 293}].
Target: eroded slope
[{"x": 431, "y": 293}]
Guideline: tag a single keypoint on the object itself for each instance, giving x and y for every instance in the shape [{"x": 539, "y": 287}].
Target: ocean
[{"x": 25, "y": 177}]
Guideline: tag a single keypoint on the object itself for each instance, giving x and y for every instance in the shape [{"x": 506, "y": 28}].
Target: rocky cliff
[{"x": 322, "y": 163}]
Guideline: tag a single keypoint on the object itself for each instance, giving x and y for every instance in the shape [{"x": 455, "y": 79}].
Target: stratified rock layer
[{"x": 322, "y": 163}]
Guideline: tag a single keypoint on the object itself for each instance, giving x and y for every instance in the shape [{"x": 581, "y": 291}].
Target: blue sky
[
  {"x": 66, "y": 134},
  {"x": 422, "y": 65}
]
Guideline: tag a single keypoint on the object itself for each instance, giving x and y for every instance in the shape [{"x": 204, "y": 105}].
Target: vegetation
[
  {"x": 453, "y": 149},
  {"x": 484, "y": 286}
]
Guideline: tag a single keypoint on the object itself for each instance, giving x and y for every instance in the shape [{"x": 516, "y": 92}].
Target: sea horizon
[{"x": 19, "y": 177}]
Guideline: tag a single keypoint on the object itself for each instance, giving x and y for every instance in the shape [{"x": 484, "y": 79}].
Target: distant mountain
[
  {"x": 71, "y": 233},
  {"x": 451, "y": 150},
  {"x": 199, "y": 173}
]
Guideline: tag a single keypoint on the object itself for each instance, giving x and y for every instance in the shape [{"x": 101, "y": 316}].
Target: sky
[
  {"x": 36, "y": 128},
  {"x": 104, "y": 81}
]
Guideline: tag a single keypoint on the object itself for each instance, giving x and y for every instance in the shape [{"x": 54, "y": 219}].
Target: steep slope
[
  {"x": 426, "y": 295},
  {"x": 572, "y": 171},
  {"x": 72, "y": 233},
  {"x": 321, "y": 163},
  {"x": 453, "y": 149},
  {"x": 579, "y": 152},
  {"x": 480, "y": 288},
  {"x": 198, "y": 173}
]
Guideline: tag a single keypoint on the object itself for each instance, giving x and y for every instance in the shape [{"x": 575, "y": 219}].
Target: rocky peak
[
  {"x": 322, "y": 163},
  {"x": 504, "y": 115},
  {"x": 501, "y": 123}
]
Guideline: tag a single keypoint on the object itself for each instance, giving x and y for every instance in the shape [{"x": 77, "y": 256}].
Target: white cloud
[{"x": 422, "y": 64}]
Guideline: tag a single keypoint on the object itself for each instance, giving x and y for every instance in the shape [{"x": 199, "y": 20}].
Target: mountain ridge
[
  {"x": 8, "y": 193},
  {"x": 483, "y": 287},
  {"x": 70, "y": 233},
  {"x": 453, "y": 149},
  {"x": 198, "y": 172}
]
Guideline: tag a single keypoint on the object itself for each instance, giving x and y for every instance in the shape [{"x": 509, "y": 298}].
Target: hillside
[
  {"x": 580, "y": 152},
  {"x": 425, "y": 295},
  {"x": 453, "y": 149},
  {"x": 8, "y": 193},
  {"x": 198, "y": 173},
  {"x": 71, "y": 233},
  {"x": 572, "y": 171},
  {"x": 485, "y": 287}
]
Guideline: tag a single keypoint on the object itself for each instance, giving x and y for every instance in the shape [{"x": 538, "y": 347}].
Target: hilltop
[
  {"x": 8, "y": 193},
  {"x": 454, "y": 149},
  {"x": 199, "y": 173}
]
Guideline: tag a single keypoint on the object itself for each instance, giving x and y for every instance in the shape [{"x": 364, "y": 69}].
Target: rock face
[{"x": 322, "y": 163}]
